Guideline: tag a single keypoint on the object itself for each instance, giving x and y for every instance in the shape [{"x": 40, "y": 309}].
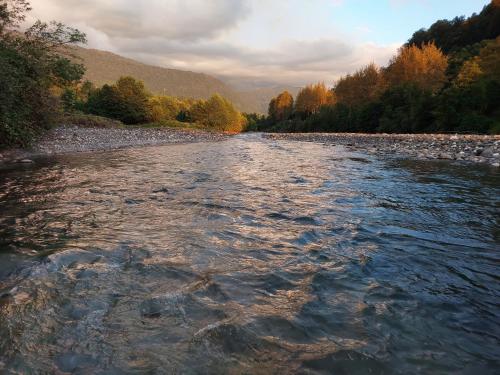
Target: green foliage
[
  {"x": 460, "y": 32},
  {"x": 88, "y": 121},
  {"x": 255, "y": 122},
  {"x": 472, "y": 108},
  {"x": 31, "y": 71},
  {"x": 126, "y": 101},
  {"x": 406, "y": 109}
]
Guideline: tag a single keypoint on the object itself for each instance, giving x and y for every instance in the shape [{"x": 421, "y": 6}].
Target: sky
[{"x": 289, "y": 42}]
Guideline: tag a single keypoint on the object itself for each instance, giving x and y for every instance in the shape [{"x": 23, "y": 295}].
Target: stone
[{"x": 487, "y": 152}]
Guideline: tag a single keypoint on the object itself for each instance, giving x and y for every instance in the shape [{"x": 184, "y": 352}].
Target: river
[{"x": 249, "y": 256}]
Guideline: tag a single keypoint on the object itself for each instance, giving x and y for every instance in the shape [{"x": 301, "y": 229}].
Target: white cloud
[
  {"x": 175, "y": 19},
  {"x": 199, "y": 35}
]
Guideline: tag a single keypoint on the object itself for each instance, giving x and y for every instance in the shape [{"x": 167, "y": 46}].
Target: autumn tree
[
  {"x": 363, "y": 86},
  {"x": 311, "y": 98},
  {"x": 165, "y": 108},
  {"x": 423, "y": 66},
  {"x": 217, "y": 113},
  {"x": 281, "y": 107}
]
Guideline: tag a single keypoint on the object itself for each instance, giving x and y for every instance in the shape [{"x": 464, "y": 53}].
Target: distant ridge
[{"x": 106, "y": 67}]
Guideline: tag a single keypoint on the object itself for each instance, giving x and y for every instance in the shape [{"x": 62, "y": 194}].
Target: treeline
[
  {"x": 40, "y": 82},
  {"x": 437, "y": 82},
  {"x": 129, "y": 102}
]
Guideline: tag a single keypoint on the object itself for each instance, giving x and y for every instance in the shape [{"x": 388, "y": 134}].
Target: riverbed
[{"x": 249, "y": 255}]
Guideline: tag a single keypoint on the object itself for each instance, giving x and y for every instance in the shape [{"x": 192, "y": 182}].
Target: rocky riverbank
[
  {"x": 70, "y": 139},
  {"x": 472, "y": 148}
]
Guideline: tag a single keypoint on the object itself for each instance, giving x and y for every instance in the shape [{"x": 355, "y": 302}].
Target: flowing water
[{"x": 248, "y": 256}]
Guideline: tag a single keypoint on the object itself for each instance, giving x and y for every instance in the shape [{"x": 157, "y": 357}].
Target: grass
[
  {"x": 88, "y": 121},
  {"x": 92, "y": 121},
  {"x": 174, "y": 124}
]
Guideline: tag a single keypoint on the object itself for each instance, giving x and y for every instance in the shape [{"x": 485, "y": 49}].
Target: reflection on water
[{"x": 248, "y": 256}]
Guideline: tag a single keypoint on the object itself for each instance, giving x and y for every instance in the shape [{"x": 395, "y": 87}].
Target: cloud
[
  {"x": 292, "y": 62},
  {"x": 173, "y": 19},
  {"x": 198, "y": 35}
]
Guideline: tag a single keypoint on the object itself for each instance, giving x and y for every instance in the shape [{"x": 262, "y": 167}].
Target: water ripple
[{"x": 248, "y": 256}]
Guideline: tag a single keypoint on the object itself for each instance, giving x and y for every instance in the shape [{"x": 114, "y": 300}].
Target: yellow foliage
[
  {"x": 281, "y": 107},
  {"x": 311, "y": 98},
  {"x": 165, "y": 107},
  {"x": 364, "y": 86},
  {"x": 424, "y": 66},
  {"x": 217, "y": 113},
  {"x": 470, "y": 71}
]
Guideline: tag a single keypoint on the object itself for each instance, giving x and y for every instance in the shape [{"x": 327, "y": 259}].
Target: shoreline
[
  {"x": 482, "y": 149},
  {"x": 71, "y": 139}
]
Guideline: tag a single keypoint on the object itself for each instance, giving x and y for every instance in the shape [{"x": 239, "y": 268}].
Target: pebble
[
  {"x": 467, "y": 147},
  {"x": 70, "y": 139}
]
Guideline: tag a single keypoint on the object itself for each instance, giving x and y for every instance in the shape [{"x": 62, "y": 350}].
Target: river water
[{"x": 249, "y": 256}]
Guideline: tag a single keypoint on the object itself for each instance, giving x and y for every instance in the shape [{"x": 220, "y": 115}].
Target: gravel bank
[
  {"x": 70, "y": 139},
  {"x": 471, "y": 148}
]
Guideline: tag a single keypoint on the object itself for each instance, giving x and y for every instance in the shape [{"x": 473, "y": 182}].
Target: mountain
[
  {"x": 260, "y": 98},
  {"x": 106, "y": 67}
]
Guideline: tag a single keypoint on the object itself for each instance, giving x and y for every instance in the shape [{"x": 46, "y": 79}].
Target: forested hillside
[
  {"x": 445, "y": 79},
  {"x": 105, "y": 67}
]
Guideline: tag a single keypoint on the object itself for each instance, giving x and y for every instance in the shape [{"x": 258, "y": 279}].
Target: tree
[
  {"x": 469, "y": 73},
  {"x": 364, "y": 86},
  {"x": 31, "y": 66},
  {"x": 12, "y": 14},
  {"x": 311, "y": 98},
  {"x": 281, "y": 107},
  {"x": 127, "y": 100},
  {"x": 423, "y": 66},
  {"x": 165, "y": 108},
  {"x": 406, "y": 108},
  {"x": 460, "y": 32},
  {"x": 485, "y": 65},
  {"x": 489, "y": 59},
  {"x": 217, "y": 113}
]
